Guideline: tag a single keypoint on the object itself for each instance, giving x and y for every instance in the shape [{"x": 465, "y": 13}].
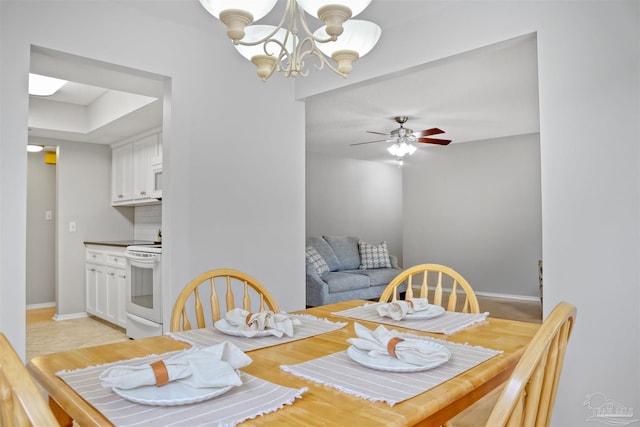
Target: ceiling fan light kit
[
  {"x": 284, "y": 48},
  {"x": 403, "y": 139}
]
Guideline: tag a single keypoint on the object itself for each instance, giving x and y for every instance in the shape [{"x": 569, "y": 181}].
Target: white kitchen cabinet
[
  {"x": 95, "y": 284},
  {"x": 122, "y": 174},
  {"x": 134, "y": 168},
  {"x": 116, "y": 280},
  {"x": 106, "y": 280}
]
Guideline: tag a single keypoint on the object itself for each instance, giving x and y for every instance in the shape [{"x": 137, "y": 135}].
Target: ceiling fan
[{"x": 403, "y": 137}]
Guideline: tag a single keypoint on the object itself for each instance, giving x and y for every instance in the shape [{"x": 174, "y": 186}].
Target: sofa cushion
[
  {"x": 379, "y": 276},
  {"x": 340, "y": 282},
  {"x": 346, "y": 250},
  {"x": 315, "y": 259},
  {"x": 325, "y": 251},
  {"x": 373, "y": 256}
]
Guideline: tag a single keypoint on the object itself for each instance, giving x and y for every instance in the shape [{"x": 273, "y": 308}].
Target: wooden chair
[
  {"x": 528, "y": 397},
  {"x": 424, "y": 276},
  {"x": 21, "y": 401},
  {"x": 227, "y": 280}
]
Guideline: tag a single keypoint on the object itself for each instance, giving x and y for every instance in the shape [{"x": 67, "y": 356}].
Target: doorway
[{"x": 100, "y": 104}]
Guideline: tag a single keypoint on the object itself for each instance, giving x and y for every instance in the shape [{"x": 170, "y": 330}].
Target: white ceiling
[
  {"x": 487, "y": 93},
  {"x": 101, "y": 103}
]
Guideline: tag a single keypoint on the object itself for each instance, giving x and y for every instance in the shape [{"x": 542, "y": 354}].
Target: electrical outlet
[
  {"x": 72, "y": 227},
  {"x": 48, "y": 215}
]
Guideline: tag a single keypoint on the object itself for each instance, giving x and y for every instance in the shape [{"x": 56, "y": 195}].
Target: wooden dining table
[{"x": 320, "y": 404}]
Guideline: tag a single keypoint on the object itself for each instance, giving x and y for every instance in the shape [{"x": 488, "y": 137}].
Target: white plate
[
  {"x": 391, "y": 364},
  {"x": 432, "y": 311},
  {"x": 227, "y": 328},
  {"x": 171, "y": 394}
]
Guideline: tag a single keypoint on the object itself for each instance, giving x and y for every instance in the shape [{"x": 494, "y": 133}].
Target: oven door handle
[{"x": 141, "y": 320}]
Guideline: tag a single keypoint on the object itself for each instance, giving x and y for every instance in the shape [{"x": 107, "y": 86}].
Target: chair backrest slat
[
  {"x": 230, "y": 300},
  {"x": 199, "y": 312},
  {"x": 214, "y": 301}
]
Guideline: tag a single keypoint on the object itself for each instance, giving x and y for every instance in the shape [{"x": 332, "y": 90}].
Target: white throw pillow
[
  {"x": 373, "y": 256},
  {"x": 315, "y": 259}
]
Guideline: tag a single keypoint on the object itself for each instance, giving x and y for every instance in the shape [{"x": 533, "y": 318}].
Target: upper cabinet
[{"x": 137, "y": 171}]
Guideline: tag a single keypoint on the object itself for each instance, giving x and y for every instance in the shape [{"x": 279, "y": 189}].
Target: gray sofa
[{"x": 341, "y": 274}]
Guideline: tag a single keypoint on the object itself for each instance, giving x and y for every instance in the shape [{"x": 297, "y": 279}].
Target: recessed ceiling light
[
  {"x": 44, "y": 85},
  {"x": 32, "y": 148}
]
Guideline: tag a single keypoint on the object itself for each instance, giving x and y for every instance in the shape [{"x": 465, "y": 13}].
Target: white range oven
[{"x": 144, "y": 297}]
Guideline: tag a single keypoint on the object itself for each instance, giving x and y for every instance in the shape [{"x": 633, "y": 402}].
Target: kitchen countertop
[{"x": 120, "y": 243}]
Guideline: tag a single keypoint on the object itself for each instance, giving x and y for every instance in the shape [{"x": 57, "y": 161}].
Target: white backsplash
[{"x": 147, "y": 222}]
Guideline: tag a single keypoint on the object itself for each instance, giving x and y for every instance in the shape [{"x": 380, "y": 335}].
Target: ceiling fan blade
[
  {"x": 368, "y": 142},
  {"x": 377, "y": 133},
  {"x": 428, "y": 132},
  {"x": 434, "y": 141}
]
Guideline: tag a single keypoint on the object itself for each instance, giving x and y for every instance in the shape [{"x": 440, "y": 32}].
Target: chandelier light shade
[
  {"x": 401, "y": 149},
  {"x": 285, "y": 47},
  {"x": 358, "y": 38}
]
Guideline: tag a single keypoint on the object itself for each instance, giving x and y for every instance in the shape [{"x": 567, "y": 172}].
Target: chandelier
[{"x": 285, "y": 47}]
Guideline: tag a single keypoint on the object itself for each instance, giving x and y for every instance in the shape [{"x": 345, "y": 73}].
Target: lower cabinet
[
  {"x": 95, "y": 284},
  {"x": 106, "y": 280},
  {"x": 116, "y": 280}
]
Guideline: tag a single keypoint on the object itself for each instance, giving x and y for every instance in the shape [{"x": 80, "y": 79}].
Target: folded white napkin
[
  {"x": 213, "y": 366},
  {"x": 397, "y": 310},
  {"x": 414, "y": 351},
  {"x": 249, "y": 324}
]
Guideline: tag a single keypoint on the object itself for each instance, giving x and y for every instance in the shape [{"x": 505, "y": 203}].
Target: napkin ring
[
  {"x": 391, "y": 346},
  {"x": 160, "y": 372},
  {"x": 410, "y": 303},
  {"x": 247, "y": 319}
]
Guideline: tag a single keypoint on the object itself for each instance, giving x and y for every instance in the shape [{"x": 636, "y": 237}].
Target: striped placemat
[
  {"x": 338, "y": 370},
  {"x": 310, "y": 326},
  {"x": 447, "y": 323},
  {"x": 253, "y": 398}
]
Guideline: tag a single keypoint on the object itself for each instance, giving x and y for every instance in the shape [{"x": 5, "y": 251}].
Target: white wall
[
  {"x": 230, "y": 198},
  {"x": 588, "y": 58},
  {"x": 41, "y": 260},
  {"x": 346, "y": 197},
  {"x": 476, "y": 208},
  {"x": 83, "y": 197}
]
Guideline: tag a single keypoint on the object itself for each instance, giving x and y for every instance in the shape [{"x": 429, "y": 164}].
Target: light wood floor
[{"x": 474, "y": 416}]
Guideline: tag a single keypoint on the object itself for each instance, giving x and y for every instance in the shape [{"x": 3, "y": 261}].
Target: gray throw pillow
[{"x": 346, "y": 250}]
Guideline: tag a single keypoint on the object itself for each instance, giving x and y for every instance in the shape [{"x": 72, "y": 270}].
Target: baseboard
[
  {"x": 41, "y": 305},
  {"x": 490, "y": 294},
  {"x": 509, "y": 296},
  {"x": 70, "y": 316}
]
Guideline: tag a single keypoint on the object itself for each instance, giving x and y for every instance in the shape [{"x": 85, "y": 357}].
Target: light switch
[
  {"x": 72, "y": 227},
  {"x": 48, "y": 215}
]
